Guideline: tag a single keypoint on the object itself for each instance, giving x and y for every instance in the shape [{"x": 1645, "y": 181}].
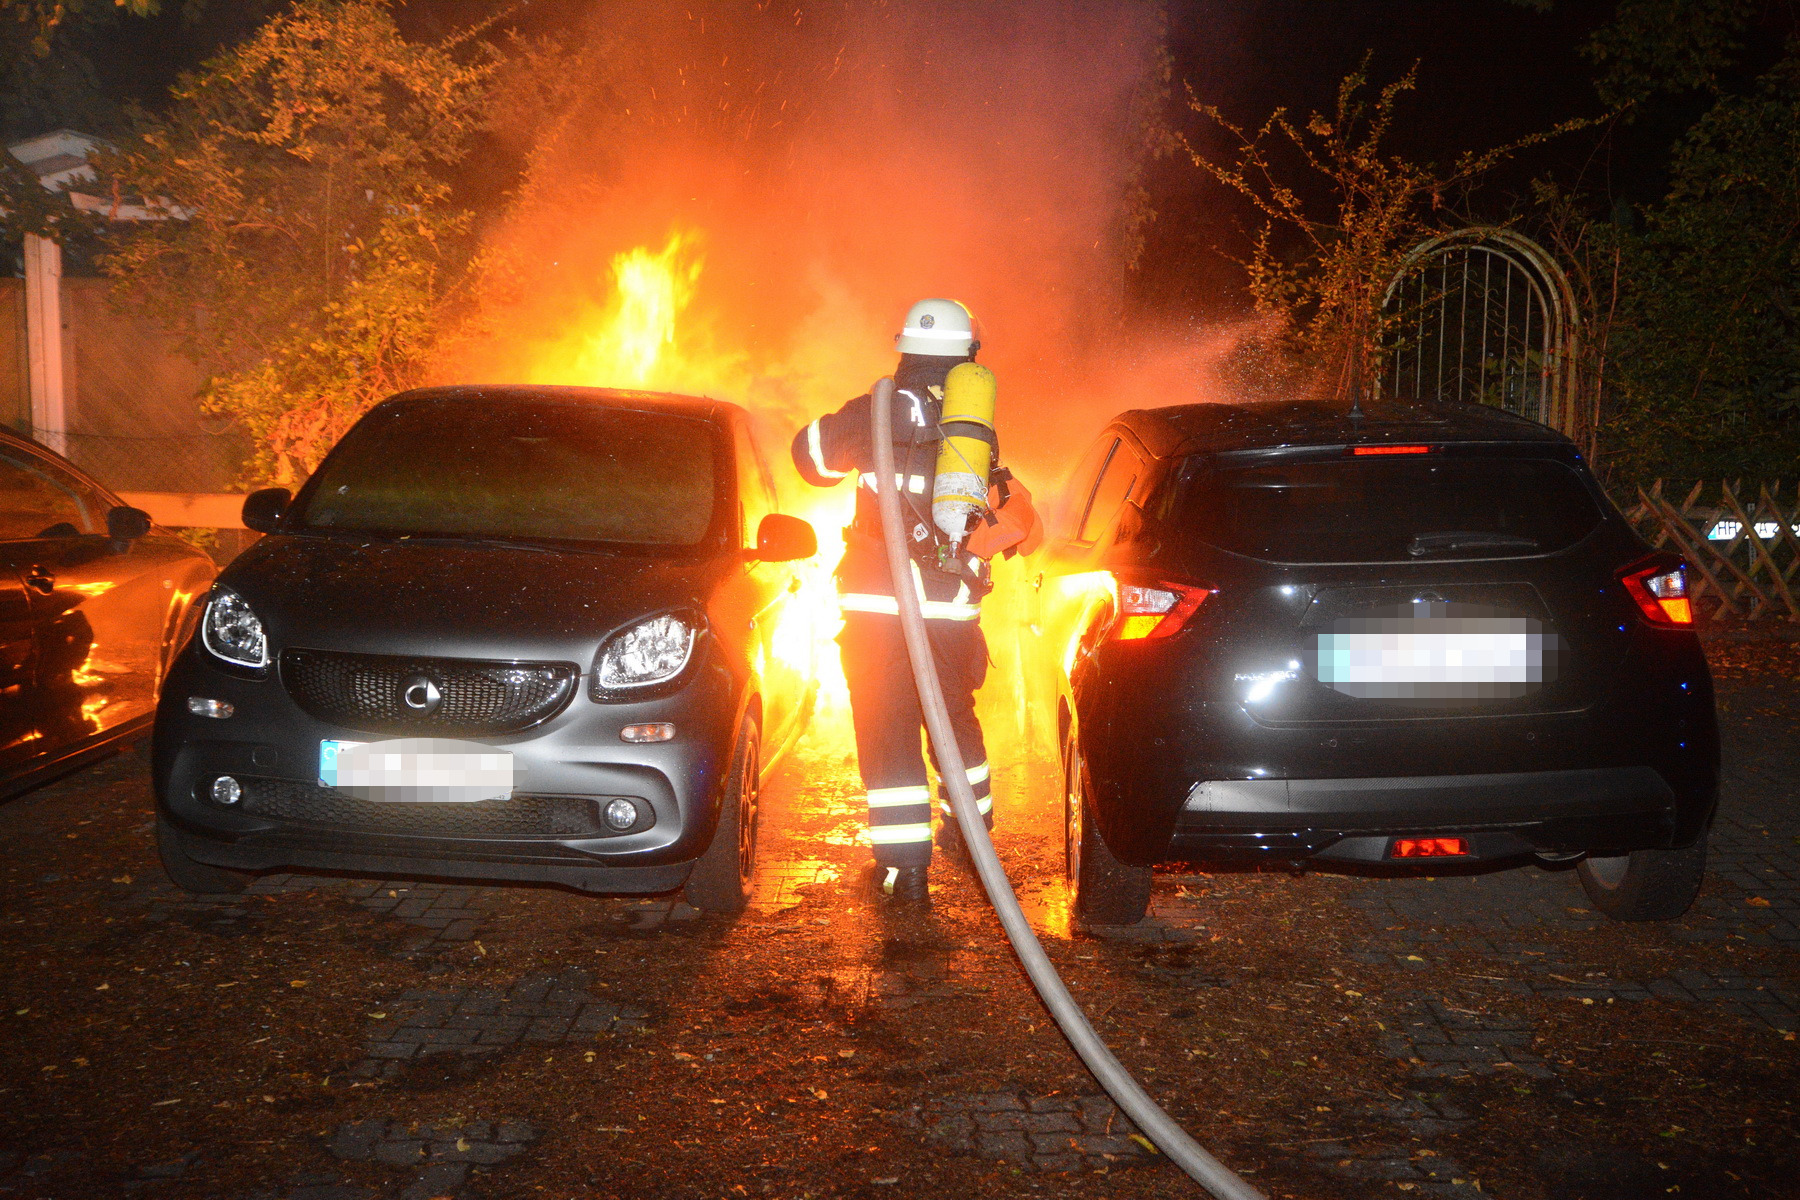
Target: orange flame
[{"x": 634, "y": 343}]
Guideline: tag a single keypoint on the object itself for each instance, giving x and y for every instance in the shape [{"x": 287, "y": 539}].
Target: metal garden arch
[{"x": 1484, "y": 315}]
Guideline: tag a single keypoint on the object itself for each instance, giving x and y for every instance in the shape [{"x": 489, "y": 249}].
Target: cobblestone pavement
[
  {"x": 441, "y": 915},
  {"x": 1039, "y": 1133},
  {"x": 1334, "y": 1036},
  {"x": 481, "y": 1023},
  {"x": 442, "y": 1155}
]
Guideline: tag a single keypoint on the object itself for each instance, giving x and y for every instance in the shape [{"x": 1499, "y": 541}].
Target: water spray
[{"x": 1218, "y": 1179}]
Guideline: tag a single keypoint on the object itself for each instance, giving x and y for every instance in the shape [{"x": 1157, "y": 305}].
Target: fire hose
[{"x": 1211, "y": 1174}]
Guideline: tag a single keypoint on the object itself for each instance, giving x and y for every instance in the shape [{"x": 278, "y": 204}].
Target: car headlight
[
  {"x": 652, "y": 651},
  {"x": 232, "y": 631}
]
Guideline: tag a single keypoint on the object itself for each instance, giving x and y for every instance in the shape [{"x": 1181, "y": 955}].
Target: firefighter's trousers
[{"x": 884, "y": 705}]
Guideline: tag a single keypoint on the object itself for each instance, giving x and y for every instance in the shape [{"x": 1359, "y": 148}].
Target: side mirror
[
  {"x": 127, "y": 524},
  {"x": 781, "y": 538},
  {"x": 263, "y": 510}
]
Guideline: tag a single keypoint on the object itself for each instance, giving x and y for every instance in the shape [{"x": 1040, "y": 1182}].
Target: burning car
[
  {"x": 528, "y": 633},
  {"x": 1283, "y": 632}
]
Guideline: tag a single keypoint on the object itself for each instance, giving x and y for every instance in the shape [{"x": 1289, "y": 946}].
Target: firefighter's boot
[{"x": 902, "y": 888}]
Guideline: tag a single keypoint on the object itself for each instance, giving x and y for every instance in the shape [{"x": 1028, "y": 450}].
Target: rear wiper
[{"x": 1467, "y": 539}]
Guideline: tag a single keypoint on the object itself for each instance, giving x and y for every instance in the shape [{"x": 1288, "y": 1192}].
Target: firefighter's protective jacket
[{"x": 839, "y": 444}]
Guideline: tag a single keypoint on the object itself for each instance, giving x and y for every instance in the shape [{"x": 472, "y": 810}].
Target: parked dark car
[
  {"x": 1278, "y": 632},
  {"x": 94, "y": 603},
  {"x": 578, "y": 589}
]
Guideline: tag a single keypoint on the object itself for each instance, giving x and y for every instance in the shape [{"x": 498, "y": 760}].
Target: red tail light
[
  {"x": 1437, "y": 847},
  {"x": 1147, "y": 612},
  {"x": 1659, "y": 588},
  {"x": 1361, "y": 451}
]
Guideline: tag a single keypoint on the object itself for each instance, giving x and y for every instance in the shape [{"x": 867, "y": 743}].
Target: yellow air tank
[{"x": 967, "y": 451}]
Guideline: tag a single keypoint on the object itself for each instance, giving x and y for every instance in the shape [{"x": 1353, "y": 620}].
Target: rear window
[
  {"x": 1385, "y": 509},
  {"x": 550, "y": 470}
]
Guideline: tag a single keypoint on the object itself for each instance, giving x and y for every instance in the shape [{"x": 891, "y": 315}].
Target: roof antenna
[{"x": 1356, "y": 412}]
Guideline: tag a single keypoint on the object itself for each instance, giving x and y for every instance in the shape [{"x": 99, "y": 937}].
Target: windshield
[
  {"x": 509, "y": 468},
  {"x": 1386, "y": 509}
]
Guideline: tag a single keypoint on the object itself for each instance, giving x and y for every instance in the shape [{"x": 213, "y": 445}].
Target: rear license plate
[
  {"x": 416, "y": 769},
  {"x": 1472, "y": 658}
]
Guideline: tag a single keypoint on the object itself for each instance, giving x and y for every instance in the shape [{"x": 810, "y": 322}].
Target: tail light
[
  {"x": 1660, "y": 589},
  {"x": 1157, "y": 611}
]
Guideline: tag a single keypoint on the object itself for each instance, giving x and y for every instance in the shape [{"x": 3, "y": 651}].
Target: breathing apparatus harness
[{"x": 954, "y": 420}]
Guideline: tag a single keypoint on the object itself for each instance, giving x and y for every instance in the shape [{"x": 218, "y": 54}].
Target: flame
[
  {"x": 634, "y": 345},
  {"x": 644, "y": 330}
]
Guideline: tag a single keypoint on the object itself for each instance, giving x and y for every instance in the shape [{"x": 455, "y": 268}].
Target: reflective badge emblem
[
  {"x": 920, "y": 533},
  {"x": 421, "y": 694},
  {"x": 927, "y": 321}
]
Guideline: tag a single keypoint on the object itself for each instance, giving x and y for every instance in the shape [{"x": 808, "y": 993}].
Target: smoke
[{"x": 815, "y": 168}]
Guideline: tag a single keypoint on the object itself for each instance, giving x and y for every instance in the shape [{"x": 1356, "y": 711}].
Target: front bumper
[
  {"x": 272, "y": 747},
  {"x": 1500, "y": 815}
]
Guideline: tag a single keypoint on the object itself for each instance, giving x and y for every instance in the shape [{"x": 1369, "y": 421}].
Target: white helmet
[{"x": 941, "y": 327}]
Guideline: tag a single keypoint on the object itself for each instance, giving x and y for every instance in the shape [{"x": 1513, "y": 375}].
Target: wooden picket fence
[{"x": 1755, "y": 572}]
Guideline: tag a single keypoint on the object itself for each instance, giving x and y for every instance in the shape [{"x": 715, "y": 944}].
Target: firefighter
[{"x": 938, "y": 336}]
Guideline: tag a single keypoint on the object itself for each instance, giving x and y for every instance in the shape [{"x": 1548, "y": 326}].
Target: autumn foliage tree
[{"x": 310, "y": 239}]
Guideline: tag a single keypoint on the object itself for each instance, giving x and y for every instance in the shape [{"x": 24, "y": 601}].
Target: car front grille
[
  {"x": 516, "y": 817},
  {"x": 453, "y": 696}
]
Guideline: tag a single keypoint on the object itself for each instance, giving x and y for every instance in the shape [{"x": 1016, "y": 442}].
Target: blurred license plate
[
  {"x": 1498, "y": 656},
  {"x": 1430, "y": 652},
  {"x": 416, "y": 769}
]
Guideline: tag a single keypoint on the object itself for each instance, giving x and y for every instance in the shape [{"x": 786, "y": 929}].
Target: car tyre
[
  {"x": 1645, "y": 885},
  {"x": 189, "y": 874},
  {"x": 721, "y": 879},
  {"x": 1104, "y": 890}
]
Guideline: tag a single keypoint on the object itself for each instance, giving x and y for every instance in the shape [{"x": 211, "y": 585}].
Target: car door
[{"x": 97, "y": 612}]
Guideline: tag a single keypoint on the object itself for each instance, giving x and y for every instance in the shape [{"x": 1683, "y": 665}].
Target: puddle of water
[{"x": 1050, "y": 912}]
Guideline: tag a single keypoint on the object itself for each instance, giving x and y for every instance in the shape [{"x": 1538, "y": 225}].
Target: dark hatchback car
[
  {"x": 522, "y": 633},
  {"x": 94, "y": 602},
  {"x": 1279, "y": 632}
]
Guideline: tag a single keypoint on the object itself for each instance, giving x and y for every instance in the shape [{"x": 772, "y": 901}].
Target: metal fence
[{"x": 1743, "y": 543}]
